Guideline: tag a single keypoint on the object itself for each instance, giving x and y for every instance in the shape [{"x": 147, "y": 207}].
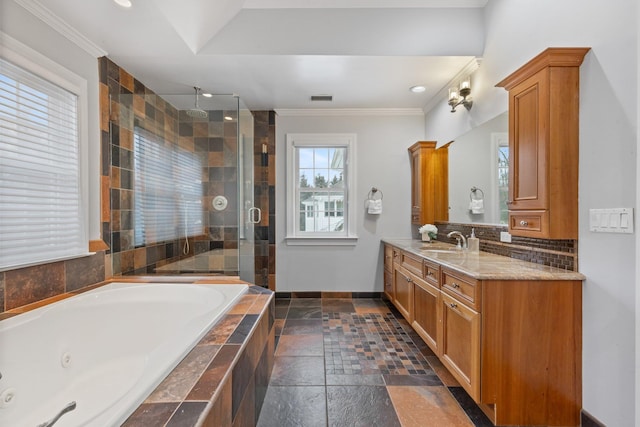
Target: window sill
[{"x": 321, "y": 241}]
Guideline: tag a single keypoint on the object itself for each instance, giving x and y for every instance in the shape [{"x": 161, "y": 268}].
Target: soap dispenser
[{"x": 473, "y": 243}]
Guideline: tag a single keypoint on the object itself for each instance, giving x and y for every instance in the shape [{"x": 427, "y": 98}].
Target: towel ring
[
  {"x": 373, "y": 192},
  {"x": 474, "y": 191}
]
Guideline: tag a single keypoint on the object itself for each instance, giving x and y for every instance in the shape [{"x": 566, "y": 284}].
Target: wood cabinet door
[
  {"x": 426, "y": 313},
  {"x": 416, "y": 187},
  {"x": 528, "y": 143},
  {"x": 403, "y": 292},
  {"x": 460, "y": 348}
]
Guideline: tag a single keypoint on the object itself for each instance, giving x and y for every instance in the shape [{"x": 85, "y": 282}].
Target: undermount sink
[{"x": 443, "y": 251}]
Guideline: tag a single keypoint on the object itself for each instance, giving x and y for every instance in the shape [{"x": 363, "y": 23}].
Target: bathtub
[{"x": 106, "y": 350}]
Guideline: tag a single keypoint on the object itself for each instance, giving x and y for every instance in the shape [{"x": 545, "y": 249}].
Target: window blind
[
  {"x": 40, "y": 203},
  {"x": 168, "y": 191}
]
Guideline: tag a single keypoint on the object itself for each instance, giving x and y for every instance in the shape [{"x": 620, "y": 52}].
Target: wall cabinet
[
  {"x": 543, "y": 145},
  {"x": 429, "y": 183},
  {"x": 514, "y": 345}
]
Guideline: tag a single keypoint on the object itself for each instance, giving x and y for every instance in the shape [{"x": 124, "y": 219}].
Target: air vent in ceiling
[{"x": 322, "y": 97}]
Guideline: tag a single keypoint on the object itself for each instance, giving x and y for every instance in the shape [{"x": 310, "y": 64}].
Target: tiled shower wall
[
  {"x": 265, "y": 197},
  {"x": 129, "y": 104}
]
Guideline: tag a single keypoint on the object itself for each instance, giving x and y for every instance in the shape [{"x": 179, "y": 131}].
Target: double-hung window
[
  {"x": 321, "y": 188},
  {"x": 42, "y": 173}
]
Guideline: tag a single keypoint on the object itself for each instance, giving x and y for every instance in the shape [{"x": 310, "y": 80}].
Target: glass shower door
[{"x": 248, "y": 213}]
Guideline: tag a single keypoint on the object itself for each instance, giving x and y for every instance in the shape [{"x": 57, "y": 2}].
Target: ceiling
[{"x": 275, "y": 54}]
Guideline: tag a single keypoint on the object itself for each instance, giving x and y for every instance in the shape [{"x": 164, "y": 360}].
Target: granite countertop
[{"x": 482, "y": 265}]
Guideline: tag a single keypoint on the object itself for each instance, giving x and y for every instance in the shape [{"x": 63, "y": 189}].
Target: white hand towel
[
  {"x": 374, "y": 207},
  {"x": 476, "y": 206}
]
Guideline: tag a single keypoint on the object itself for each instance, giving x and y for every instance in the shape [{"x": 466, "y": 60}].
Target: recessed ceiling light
[
  {"x": 417, "y": 89},
  {"x": 207, "y": 95},
  {"x": 228, "y": 118},
  {"x": 123, "y": 3}
]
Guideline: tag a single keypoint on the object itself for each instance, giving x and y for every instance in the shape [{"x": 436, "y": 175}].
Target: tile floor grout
[{"x": 381, "y": 317}]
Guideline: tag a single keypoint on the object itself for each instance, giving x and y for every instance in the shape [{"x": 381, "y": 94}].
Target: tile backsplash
[{"x": 555, "y": 253}]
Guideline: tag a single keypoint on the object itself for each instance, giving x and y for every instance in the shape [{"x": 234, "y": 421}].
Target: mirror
[{"x": 478, "y": 174}]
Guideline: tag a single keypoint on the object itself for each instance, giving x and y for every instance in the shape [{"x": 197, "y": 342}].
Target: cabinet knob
[
  {"x": 430, "y": 274},
  {"x": 524, "y": 223},
  {"x": 454, "y": 285},
  {"x": 452, "y": 305},
  {"x": 408, "y": 279}
]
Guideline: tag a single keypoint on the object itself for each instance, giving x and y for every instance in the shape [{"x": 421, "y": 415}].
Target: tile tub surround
[
  {"x": 355, "y": 361},
  {"x": 223, "y": 380},
  {"x": 562, "y": 254},
  {"x": 30, "y": 285}
]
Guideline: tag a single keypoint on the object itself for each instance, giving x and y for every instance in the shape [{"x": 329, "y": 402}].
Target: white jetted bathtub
[{"x": 92, "y": 359}]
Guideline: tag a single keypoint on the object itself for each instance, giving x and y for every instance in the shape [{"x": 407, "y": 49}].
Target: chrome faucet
[
  {"x": 462, "y": 241},
  {"x": 70, "y": 407}
]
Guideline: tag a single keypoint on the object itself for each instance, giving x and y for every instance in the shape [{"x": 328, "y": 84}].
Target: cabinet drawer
[
  {"x": 412, "y": 263},
  {"x": 432, "y": 273},
  {"x": 529, "y": 223},
  {"x": 462, "y": 287}
]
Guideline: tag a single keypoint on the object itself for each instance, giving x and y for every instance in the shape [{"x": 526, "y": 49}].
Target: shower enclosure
[{"x": 181, "y": 185}]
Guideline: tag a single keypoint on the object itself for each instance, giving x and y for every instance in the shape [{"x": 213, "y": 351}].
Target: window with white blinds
[
  {"x": 41, "y": 211},
  {"x": 168, "y": 191}
]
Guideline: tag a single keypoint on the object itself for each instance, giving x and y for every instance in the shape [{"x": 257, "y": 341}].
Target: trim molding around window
[{"x": 321, "y": 189}]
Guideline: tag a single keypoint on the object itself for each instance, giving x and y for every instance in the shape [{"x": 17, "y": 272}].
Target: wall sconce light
[{"x": 459, "y": 97}]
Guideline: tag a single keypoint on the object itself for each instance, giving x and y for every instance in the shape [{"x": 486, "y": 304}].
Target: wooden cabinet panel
[
  {"x": 543, "y": 143},
  {"x": 403, "y": 296},
  {"x": 388, "y": 273},
  {"x": 429, "y": 183},
  {"x": 412, "y": 263},
  {"x": 432, "y": 273},
  {"x": 532, "y": 351},
  {"x": 461, "y": 287},
  {"x": 426, "y": 314},
  {"x": 460, "y": 347}
]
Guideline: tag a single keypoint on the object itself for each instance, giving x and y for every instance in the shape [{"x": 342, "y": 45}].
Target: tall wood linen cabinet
[
  {"x": 429, "y": 183},
  {"x": 543, "y": 145}
]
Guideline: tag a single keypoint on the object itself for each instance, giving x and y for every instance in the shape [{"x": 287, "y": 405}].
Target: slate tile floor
[{"x": 357, "y": 362}]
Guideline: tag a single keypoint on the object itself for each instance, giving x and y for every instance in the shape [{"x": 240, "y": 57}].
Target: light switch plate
[{"x": 615, "y": 220}]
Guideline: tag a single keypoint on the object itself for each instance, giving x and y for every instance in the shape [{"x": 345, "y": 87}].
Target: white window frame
[
  {"x": 321, "y": 140},
  {"x": 29, "y": 59}
]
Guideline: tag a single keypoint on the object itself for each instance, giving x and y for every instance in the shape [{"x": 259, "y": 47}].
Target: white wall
[
  {"x": 31, "y": 31},
  {"x": 382, "y": 162},
  {"x": 517, "y": 30}
]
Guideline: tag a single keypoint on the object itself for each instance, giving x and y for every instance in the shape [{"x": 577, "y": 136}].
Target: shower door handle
[{"x": 252, "y": 215}]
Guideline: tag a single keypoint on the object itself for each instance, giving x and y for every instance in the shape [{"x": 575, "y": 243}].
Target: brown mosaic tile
[
  {"x": 223, "y": 330},
  {"x": 151, "y": 414},
  {"x": 214, "y": 374},
  {"x": 176, "y": 386},
  {"x": 370, "y": 344},
  {"x": 31, "y": 284},
  {"x": 187, "y": 414},
  {"x": 81, "y": 272},
  {"x": 220, "y": 414}
]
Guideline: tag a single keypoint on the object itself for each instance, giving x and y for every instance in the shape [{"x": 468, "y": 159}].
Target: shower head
[{"x": 197, "y": 112}]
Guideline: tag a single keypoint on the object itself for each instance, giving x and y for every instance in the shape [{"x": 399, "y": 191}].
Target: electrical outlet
[{"x": 505, "y": 236}]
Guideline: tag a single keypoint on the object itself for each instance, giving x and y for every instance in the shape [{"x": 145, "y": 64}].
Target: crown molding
[
  {"x": 48, "y": 17},
  {"x": 350, "y": 112},
  {"x": 443, "y": 94}
]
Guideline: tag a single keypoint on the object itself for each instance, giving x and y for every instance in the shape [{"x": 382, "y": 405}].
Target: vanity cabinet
[
  {"x": 460, "y": 305},
  {"x": 543, "y": 145},
  {"x": 429, "y": 183},
  {"x": 513, "y": 344}
]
